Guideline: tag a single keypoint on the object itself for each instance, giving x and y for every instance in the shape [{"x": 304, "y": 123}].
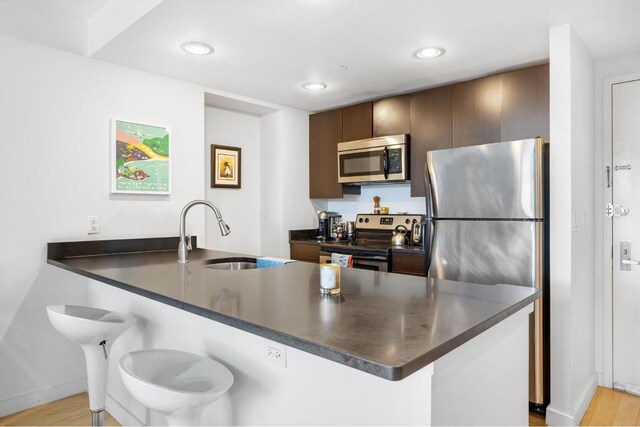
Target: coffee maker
[{"x": 325, "y": 222}]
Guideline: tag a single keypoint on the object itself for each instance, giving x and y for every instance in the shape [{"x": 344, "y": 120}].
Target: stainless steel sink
[{"x": 232, "y": 264}]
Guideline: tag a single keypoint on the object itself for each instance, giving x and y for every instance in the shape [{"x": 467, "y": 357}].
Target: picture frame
[
  {"x": 140, "y": 160},
  {"x": 226, "y": 166}
]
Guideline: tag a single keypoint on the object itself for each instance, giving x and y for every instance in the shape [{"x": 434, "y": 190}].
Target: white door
[{"x": 626, "y": 235}]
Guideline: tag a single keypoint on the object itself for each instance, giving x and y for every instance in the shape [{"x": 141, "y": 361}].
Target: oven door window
[
  {"x": 362, "y": 164},
  {"x": 365, "y": 266},
  {"x": 363, "y": 263}
]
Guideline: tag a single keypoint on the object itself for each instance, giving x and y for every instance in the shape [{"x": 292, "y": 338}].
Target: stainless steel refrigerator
[{"x": 487, "y": 210}]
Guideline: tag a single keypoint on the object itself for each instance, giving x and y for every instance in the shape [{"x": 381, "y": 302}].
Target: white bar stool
[
  {"x": 94, "y": 330},
  {"x": 177, "y": 384}
]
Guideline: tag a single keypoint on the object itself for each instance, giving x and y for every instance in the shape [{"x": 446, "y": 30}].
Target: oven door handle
[
  {"x": 369, "y": 258},
  {"x": 385, "y": 163}
]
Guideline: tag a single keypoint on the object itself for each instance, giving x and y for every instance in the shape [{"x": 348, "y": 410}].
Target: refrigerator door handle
[
  {"x": 429, "y": 230},
  {"x": 427, "y": 191}
]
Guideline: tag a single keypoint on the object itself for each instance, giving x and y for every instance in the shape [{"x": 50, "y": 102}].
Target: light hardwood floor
[
  {"x": 71, "y": 411},
  {"x": 607, "y": 408},
  {"x": 612, "y": 408}
]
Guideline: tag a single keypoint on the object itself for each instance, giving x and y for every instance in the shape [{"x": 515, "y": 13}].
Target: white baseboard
[
  {"x": 559, "y": 418},
  {"x": 38, "y": 397},
  {"x": 120, "y": 413},
  {"x": 601, "y": 379}
]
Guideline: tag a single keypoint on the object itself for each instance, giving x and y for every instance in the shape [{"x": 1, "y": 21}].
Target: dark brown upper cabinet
[
  {"x": 325, "y": 132},
  {"x": 391, "y": 116},
  {"x": 431, "y": 129},
  {"x": 502, "y": 107},
  {"x": 525, "y": 103},
  {"x": 357, "y": 122},
  {"x": 476, "y": 112}
]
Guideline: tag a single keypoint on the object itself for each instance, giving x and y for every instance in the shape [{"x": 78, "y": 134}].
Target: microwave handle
[{"x": 385, "y": 163}]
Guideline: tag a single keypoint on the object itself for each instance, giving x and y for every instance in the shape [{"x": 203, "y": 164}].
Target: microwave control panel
[{"x": 395, "y": 161}]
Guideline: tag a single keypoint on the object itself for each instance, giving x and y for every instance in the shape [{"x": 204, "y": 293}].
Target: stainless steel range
[{"x": 371, "y": 247}]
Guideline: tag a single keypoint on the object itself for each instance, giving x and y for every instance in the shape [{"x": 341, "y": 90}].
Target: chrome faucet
[{"x": 183, "y": 247}]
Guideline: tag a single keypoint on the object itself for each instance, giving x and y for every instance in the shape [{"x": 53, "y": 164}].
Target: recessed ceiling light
[
  {"x": 342, "y": 68},
  {"x": 429, "y": 52},
  {"x": 314, "y": 86},
  {"x": 197, "y": 48}
]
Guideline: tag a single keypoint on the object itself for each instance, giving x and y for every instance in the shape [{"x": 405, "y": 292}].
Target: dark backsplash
[{"x": 60, "y": 250}]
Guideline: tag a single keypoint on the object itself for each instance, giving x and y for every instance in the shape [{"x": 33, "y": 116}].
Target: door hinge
[
  {"x": 608, "y": 171},
  {"x": 615, "y": 210}
]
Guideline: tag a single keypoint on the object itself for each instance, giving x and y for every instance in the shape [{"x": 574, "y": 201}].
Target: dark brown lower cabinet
[
  {"x": 408, "y": 264},
  {"x": 305, "y": 252}
]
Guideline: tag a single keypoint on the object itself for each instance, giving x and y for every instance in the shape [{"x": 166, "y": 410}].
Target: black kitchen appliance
[
  {"x": 371, "y": 249},
  {"x": 325, "y": 221}
]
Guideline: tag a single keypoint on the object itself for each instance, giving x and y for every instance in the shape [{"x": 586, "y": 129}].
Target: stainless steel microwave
[{"x": 383, "y": 159}]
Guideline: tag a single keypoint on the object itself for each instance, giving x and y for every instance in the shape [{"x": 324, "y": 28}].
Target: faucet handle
[{"x": 189, "y": 247}]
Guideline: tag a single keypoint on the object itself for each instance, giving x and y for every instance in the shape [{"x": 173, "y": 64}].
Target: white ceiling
[
  {"x": 234, "y": 104},
  {"x": 266, "y": 48},
  {"x": 83, "y": 9},
  {"x": 57, "y": 23}
]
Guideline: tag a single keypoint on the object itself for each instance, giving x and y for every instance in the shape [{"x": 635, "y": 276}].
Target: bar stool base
[{"x": 97, "y": 418}]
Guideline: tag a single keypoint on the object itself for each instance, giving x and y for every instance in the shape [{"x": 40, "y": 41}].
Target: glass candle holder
[{"x": 330, "y": 279}]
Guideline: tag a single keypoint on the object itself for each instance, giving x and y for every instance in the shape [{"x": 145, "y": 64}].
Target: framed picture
[
  {"x": 225, "y": 166},
  {"x": 140, "y": 158}
]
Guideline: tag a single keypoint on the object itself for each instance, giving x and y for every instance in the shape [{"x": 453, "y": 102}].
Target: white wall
[
  {"x": 573, "y": 377},
  {"x": 271, "y": 180},
  {"x": 604, "y": 69},
  {"x": 299, "y": 212},
  {"x": 395, "y": 196},
  {"x": 55, "y": 110},
  {"x": 264, "y": 393},
  {"x": 284, "y": 171},
  {"x": 240, "y": 207}
]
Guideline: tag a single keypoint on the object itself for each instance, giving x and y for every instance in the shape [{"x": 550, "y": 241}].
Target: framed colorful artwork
[
  {"x": 225, "y": 166},
  {"x": 140, "y": 158}
]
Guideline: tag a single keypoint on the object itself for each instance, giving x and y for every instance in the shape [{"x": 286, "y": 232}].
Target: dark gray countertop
[
  {"x": 313, "y": 242},
  {"x": 389, "y": 325},
  {"x": 305, "y": 237}
]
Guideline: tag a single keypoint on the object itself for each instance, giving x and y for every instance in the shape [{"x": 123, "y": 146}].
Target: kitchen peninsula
[{"x": 391, "y": 349}]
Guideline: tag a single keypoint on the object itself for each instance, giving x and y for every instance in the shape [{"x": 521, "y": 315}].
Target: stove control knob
[
  {"x": 366, "y": 220},
  {"x": 407, "y": 221},
  {"x": 360, "y": 220},
  {"x": 414, "y": 221}
]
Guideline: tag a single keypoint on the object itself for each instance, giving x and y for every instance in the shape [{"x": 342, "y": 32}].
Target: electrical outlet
[
  {"x": 93, "y": 225},
  {"x": 276, "y": 353}
]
